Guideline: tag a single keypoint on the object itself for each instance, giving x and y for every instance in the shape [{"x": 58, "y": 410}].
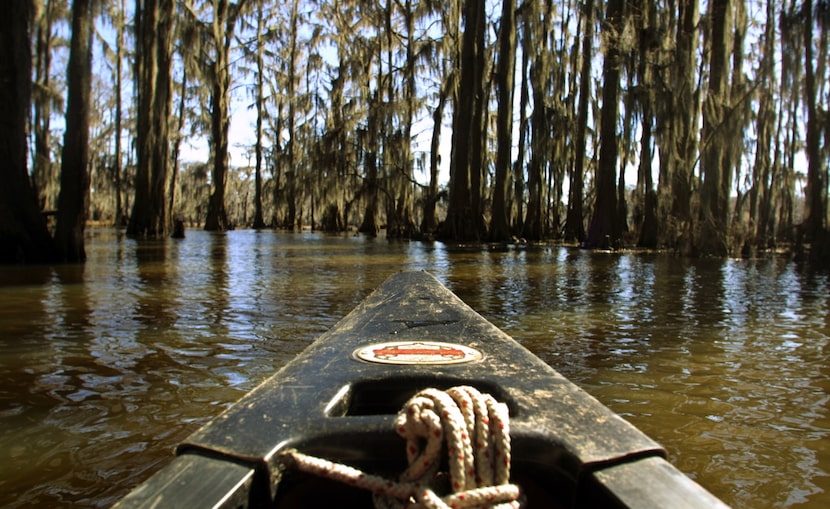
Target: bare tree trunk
[
  {"x": 177, "y": 141},
  {"x": 478, "y": 133},
  {"x": 561, "y": 118},
  {"x": 761, "y": 192},
  {"x": 648, "y": 227},
  {"x": 44, "y": 181},
  {"x": 390, "y": 140},
  {"x": 369, "y": 226},
  {"x": 575, "y": 222},
  {"x": 153, "y": 25},
  {"x": 499, "y": 224},
  {"x": 461, "y": 223},
  {"x": 336, "y": 151},
  {"x": 291, "y": 174},
  {"x": 371, "y": 185},
  {"x": 519, "y": 169},
  {"x": 405, "y": 224},
  {"x": 677, "y": 113},
  {"x": 605, "y": 226},
  {"x": 450, "y": 19},
  {"x": 277, "y": 158},
  {"x": 259, "y": 221},
  {"x": 815, "y": 216},
  {"x": 790, "y": 24},
  {"x": 786, "y": 215},
  {"x": 74, "y": 195},
  {"x": 536, "y": 39},
  {"x": 117, "y": 169},
  {"x": 430, "y": 219},
  {"x": 737, "y": 122},
  {"x": 23, "y": 233},
  {"x": 714, "y": 199},
  {"x": 626, "y": 147},
  {"x": 222, "y": 34}
]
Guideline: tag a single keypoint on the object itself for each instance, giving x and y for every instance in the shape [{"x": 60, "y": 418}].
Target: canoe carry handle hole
[{"x": 388, "y": 396}]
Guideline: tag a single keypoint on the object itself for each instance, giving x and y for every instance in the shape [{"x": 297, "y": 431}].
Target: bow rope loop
[{"x": 475, "y": 429}]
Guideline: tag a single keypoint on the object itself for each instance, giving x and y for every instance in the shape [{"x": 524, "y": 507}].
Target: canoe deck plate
[{"x": 417, "y": 353}]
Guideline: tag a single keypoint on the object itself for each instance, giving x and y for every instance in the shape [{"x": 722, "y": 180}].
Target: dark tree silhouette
[{"x": 23, "y": 233}]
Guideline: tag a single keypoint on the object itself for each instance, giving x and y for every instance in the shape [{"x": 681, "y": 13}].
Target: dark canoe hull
[{"x": 568, "y": 449}]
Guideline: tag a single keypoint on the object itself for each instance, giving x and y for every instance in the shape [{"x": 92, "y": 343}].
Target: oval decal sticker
[{"x": 417, "y": 352}]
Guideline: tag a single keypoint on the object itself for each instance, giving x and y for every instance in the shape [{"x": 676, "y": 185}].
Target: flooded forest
[{"x": 696, "y": 127}]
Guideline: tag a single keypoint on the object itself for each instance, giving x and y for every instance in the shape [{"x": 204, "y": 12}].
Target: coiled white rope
[{"x": 476, "y": 431}]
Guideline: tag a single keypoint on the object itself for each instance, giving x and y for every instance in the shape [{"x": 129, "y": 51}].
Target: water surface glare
[{"x": 105, "y": 367}]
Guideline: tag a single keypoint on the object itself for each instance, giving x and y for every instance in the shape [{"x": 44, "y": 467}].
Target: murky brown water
[{"x": 105, "y": 367}]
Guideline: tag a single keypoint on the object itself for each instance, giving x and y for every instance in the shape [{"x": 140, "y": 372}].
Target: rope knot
[{"x": 475, "y": 429}]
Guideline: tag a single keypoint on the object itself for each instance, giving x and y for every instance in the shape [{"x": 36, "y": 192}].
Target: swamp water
[{"x": 105, "y": 367}]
